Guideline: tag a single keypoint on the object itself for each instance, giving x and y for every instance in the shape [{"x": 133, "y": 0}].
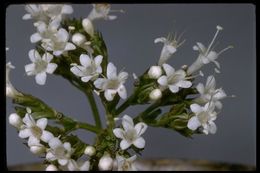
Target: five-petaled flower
[
  {"x": 89, "y": 69},
  {"x": 173, "y": 79},
  {"x": 125, "y": 164},
  {"x": 78, "y": 165},
  {"x": 208, "y": 93},
  {"x": 113, "y": 83},
  {"x": 59, "y": 151},
  {"x": 130, "y": 134},
  {"x": 40, "y": 66},
  {"x": 35, "y": 131},
  {"x": 169, "y": 48},
  {"x": 204, "y": 117}
]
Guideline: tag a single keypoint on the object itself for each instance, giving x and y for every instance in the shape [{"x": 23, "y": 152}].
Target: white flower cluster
[
  {"x": 38, "y": 137},
  {"x": 204, "y": 106}
]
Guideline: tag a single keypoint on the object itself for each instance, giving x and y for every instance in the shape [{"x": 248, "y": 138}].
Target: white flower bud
[
  {"x": 90, "y": 150},
  {"x": 51, "y": 168},
  {"x": 88, "y": 26},
  {"x": 105, "y": 163},
  {"x": 78, "y": 39},
  {"x": 10, "y": 90},
  {"x": 15, "y": 120},
  {"x": 37, "y": 149},
  {"x": 155, "y": 72},
  {"x": 155, "y": 94}
]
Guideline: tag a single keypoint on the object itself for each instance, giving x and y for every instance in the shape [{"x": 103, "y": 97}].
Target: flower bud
[
  {"x": 88, "y": 26},
  {"x": 10, "y": 90},
  {"x": 78, "y": 39},
  {"x": 37, "y": 149},
  {"x": 155, "y": 94},
  {"x": 15, "y": 120},
  {"x": 90, "y": 150},
  {"x": 105, "y": 163},
  {"x": 51, "y": 168},
  {"x": 155, "y": 72}
]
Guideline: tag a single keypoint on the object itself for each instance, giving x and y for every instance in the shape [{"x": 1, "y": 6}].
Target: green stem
[
  {"x": 88, "y": 127},
  {"x": 125, "y": 105},
  {"x": 147, "y": 110},
  {"x": 94, "y": 109}
]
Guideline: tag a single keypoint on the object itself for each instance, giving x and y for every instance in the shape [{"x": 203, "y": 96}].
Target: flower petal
[
  {"x": 111, "y": 71},
  {"x": 41, "y": 78},
  {"x": 140, "y": 128},
  {"x": 33, "y": 141},
  {"x": 67, "y": 9},
  {"x": 160, "y": 39},
  {"x": 25, "y": 133},
  {"x": 200, "y": 88},
  {"x": 34, "y": 55},
  {"x": 30, "y": 69},
  {"x": 77, "y": 70},
  {"x": 50, "y": 156},
  {"x": 86, "y": 78},
  {"x": 184, "y": 84},
  {"x": 122, "y": 92},
  {"x": 211, "y": 83},
  {"x": 212, "y": 128},
  {"x": 42, "y": 123},
  {"x": 127, "y": 122},
  {"x": 119, "y": 133},
  {"x": 123, "y": 76},
  {"x": 69, "y": 46},
  {"x": 99, "y": 83},
  {"x": 47, "y": 57},
  {"x": 124, "y": 144},
  {"x": 62, "y": 35},
  {"x": 196, "y": 108},
  {"x": 35, "y": 37},
  {"x": 163, "y": 81},
  {"x": 201, "y": 47},
  {"x": 54, "y": 143},
  {"x": 46, "y": 136},
  {"x": 67, "y": 146},
  {"x": 51, "y": 67},
  {"x": 169, "y": 70},
  {"x": 85, "y": 166},
  {"x": 28, "y": 120},
  {"x": 98, "y": 60},
  {"x": 109, "y": 94},
  {"x": 63, "y": 162},
  {"x": 139, "y": 142},
  {"x": 193, "y": 123},
  {"x": 85, "y": 60},
  {"x": 174, "y": 88}
]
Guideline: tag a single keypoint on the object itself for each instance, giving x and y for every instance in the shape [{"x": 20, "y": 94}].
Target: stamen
[
  {"x": 223, "y": 50},
  {"x": 215, "y": 36},
  {"x": 120, "y": 11}
]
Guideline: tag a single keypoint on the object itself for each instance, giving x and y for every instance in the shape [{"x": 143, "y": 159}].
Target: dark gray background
[{"x": 130, "y": 44}]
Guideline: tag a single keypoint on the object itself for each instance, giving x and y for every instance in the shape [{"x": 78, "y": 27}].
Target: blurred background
[{"x": 130, "y": 42}]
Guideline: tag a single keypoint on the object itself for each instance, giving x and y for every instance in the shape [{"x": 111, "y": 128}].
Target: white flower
[
  {"x": 90, "y": 68},
  {"x": 10, "y": 90},
  {"x": 88, "y": 26},
  {"x": 125, "y": 164},
  {"x": 204, "y": 117},
  {"x": 59, "y": 151},
  {"x": 173, "y": 79},
  {"x": 37, "y": 149},
  {"x": 101, "y": 11},
  {"x": 51, "y": 167},
  {"x": 46, "y": 12},
  {"x": 90, "y": 150},
  {"x": 206, "y": 55},
  {"x": 80, "y": 40},
  {"x": 208, "y": 93},
  {"x": 169, "y": 48},
  {"x": 15, "y": 120},
  {"x": 105, "y": 163},
  {"x": 131, "y": 134},
  {"x": 155, "y": 94},
  {"x": 155, "y": 72},
  {"x": 34, "y": 130},
  {"x": 78, "y": 166},
  {"x": 40, "y": 66},
  {"x": 113, "y": 83},
  {"x": 58, "y": 42}
]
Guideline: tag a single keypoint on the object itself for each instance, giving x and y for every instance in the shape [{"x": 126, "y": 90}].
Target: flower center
[
  {"x": 203, "y": 117},
  {"x": 113, "y": 84},
  {"x": 174, "y": 78},
  {"x": 36, "y": 131},
  {"x": 40, "y": 66},
  {"x": 60, "y": 152},
  {"x": 131, "y": 135}
]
